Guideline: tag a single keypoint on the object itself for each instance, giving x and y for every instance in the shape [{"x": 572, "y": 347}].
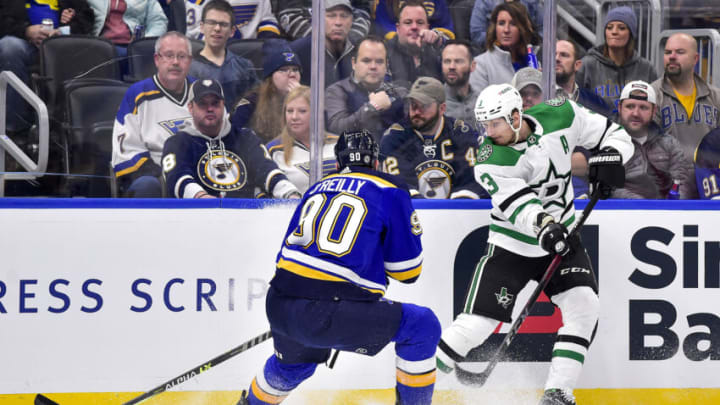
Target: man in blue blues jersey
[{"x": 351, "y": 232}]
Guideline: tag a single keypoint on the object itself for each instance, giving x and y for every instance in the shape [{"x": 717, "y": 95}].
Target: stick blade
[
  {"x": 470, "y": 378},
  {"x": 41, "y": 399}
]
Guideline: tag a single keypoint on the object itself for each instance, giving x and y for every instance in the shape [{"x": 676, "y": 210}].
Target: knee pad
[
  {"x": 468, "y": 331},
  {"x": 418, "y": 334},
  {"x": 580, "y": 308}
]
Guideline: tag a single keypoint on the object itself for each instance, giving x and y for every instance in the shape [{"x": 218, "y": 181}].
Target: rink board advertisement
[{"x": 117, "y": 296}]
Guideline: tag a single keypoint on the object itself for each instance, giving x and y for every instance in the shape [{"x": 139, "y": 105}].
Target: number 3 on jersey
[{"x": 336, "y": 231}]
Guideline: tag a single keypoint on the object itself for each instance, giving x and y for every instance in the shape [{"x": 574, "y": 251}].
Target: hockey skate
[
  {"x": 557, "y": 397},
  {"x": 243, "y": 399}
]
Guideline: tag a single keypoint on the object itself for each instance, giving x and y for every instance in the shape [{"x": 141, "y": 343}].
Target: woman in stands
[
  {"x": 261, "y": 107},
  {"x": 508, "y": 36},
  {"x": 291, "y": 150},
  {"x": 609, "y": 66}
]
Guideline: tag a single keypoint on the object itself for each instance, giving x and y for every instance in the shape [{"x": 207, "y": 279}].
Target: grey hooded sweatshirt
[{"x": 602, "y": 76}]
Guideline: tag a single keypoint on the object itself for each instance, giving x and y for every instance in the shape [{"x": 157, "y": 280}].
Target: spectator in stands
[
  {"x": 123, "y": 21},
  {"x": 21, "y": 33},
  {"x": 291, "y": 149},
  {"x": 508, "y": 36},
  {"x": 365, "y": 100},
  {"x": 152, "y": 110},
  {"x": 338, "y": 48},
  {"x": 707, "y": 166},
  {"x": 608, "y": 67},
  {"x": 215, "y": 61},
  {"x": 528, "y": 82},
  {"x": 296, "y": 18},
  {"x": 567, "y": 63},
  {"x": 483, "y": 8},
  {"x": 253, "y": 19},
  {"x": 175, "y": 11},
  {"x": 415, "y": 50},
  {"x": 208, "y": 158},
  {"x": 432, "y": 152},
  {"x": 260, "y": 107},
  {"x": 688, "y": 107},
  {"x": 658, "y": 159},
  {"x": 437, "y": 15},
  {"x": 460, "y": 96}
]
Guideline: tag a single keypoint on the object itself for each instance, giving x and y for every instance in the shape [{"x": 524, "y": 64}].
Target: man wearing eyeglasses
[
  {"x": 235, "y": 73},
  {"x": 152, "y": 110},
  {"x": 433, "y": 152}
]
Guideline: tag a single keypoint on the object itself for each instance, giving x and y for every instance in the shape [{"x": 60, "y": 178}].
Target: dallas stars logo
[
  {"x": 503, "y": 298},
  {"x": 552, "y": 189}
]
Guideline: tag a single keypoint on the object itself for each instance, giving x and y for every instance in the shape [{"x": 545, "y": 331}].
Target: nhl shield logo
[
  {"x": 222, "y": 171},
  {"x": 434, "y": 179}
]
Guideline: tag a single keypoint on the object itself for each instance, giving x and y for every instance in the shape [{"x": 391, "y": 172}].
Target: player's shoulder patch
[
  {"x": 556, "y": 102},
  {"x": 532, "y": 139},
  {"x": 484, "y": 152}
]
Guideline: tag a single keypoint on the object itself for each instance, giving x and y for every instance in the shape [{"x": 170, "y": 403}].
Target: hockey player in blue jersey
[
  {"x": 707, "y": 166},
  {"x": 209, "y": 158},
  {"x": 351, "y": 232}
]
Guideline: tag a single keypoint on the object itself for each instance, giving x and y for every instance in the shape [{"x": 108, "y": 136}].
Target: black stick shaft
[
  {"x": 478, "y": 379},
  {"x": 201, "y": 368}
]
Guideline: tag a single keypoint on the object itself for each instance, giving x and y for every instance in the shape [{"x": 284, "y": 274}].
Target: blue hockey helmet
[{"x": 356, "y": 148}]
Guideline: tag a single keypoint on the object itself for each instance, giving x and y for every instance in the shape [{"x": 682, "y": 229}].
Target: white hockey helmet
[{"x": 499, "y": 101}]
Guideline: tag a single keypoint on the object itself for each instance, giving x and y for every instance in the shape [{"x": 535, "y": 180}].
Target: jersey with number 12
[{"x": 350, "y": 232}]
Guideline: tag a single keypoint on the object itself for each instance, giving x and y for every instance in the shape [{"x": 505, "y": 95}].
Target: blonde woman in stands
[
  {"x": 291, "y": 150},
  {"x": 508, "y": 36},
  {"x": 608, "y": 67},
  {"x": 260, "y": 109}
]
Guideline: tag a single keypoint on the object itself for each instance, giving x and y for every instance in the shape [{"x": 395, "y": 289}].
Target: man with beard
[
  {"x": 364, "y": 100},
  {"x": 338, "y": 48},
  {"x": 457, "y": 64},
  {"x": 567, "y": 63},
  {"x": 434, "y": 153},
  {"x": 208, "y": 158},
  {"x": 658, "y": 159},
  {"x": 688, "y": 107},
  {"x": 415, "y": 50}
]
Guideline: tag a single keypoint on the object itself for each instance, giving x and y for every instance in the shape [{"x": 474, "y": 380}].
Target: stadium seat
[
  {"x": 69, "y": 58},
  {"x": 91, "y": 109},
  {"x": 140, "y": 59},
  {"x": 250, "y": 49}
]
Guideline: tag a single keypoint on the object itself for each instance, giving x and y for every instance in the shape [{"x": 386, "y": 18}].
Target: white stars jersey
[{"x": 535, "y": 175}]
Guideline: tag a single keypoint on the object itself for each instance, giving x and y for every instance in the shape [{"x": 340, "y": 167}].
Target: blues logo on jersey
[
  {"x": 222, "y": 171},
  {"x": 434, "y": 178}
]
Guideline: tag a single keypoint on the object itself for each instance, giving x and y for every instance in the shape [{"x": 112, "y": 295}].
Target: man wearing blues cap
[
  {"x": 208, "y": 158},
  {"x": 658, "y": 160}
]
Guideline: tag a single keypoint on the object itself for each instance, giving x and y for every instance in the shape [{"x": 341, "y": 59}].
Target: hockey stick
[
  {"x": 41, "y": 399},
  {"x": 478, "y": 379},
  {"x": 201, "y": 368}
]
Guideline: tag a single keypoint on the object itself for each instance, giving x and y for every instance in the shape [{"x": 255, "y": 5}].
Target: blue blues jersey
[
  {"x": 707, "y": 166},
  {"x": 232, "y": 164},
  {"x": 434, "y": 166},
  {"x": 351, "y": 232}
]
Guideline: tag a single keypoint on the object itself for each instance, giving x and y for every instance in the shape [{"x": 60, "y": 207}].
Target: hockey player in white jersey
[{"x": 524, "y": 164}]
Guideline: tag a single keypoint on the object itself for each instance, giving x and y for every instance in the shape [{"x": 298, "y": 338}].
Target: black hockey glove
[
  {"x": 606, "y": 172},
  {"x": 552, "y": 236}
]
